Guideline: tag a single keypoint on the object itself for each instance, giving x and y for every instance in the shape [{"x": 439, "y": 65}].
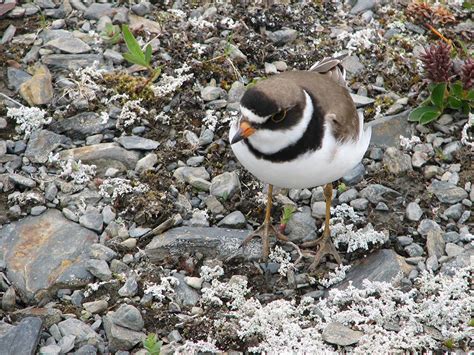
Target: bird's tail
[{"x": 333, "y": 68}]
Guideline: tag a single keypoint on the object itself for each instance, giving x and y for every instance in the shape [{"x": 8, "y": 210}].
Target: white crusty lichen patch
[{"x": 436, "y": 311}]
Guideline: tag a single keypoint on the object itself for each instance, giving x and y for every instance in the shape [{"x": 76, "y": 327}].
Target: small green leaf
[
  {"x": 132, "y": 44},
  {"x": 417, "y": 113},
  {"x": 470, "y": 95},
  {"x": 429, "y": 117},
  {"x": 437, "y": 95},
  {"x": 129, "y": 57},
  {"x": 148, "y": 54},
  {"x": 456, "y": 89},
  {"x": 454, "y": 103}
]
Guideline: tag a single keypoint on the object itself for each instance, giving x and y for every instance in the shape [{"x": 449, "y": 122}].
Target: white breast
[{"x": 332, "y": 161}]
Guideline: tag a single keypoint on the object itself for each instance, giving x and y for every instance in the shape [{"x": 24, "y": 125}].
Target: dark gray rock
[
  {"x": 234, "y": 219},
  {"x": 462, "y": 260},
  {"x": 21, "y": 180},
  {"x": 120, "y": 338},
  {"x": 376, "y": 193},
  {"x": 447, "y": 192},
  {"x": 338, "y": 334},
  {"x": 348, "y": 196},
  {"x": 71, "y": 61},
  {"x": 396, "y": 161},
  {"x": 92, "y": 219},
  {"x": 454, "y": 211},
  {"x": 72, "y": 45},
  {"x": 42, "y": 143},
  {"x": 83, "y": 332},
  {"x": 414, "y": 250},
  {"x": 355, "y": 175},
  {"x": 95, "y": 11},
  {"x": 384, "y": 265},
  {"x": 137, "y": 142},
  {"x": 387, "y": 130},
  {"x": 435, "y": 243},
  {"x": 23, "y": 338},
  {"x": 225, "y": 185},
  {"x": 360, "y": 204},
  {"x": 129, "y": 288},
  {"x": 16, "y": 77},
  {"x": 428, "y": 225},
  {"x": 81, "y": 125},
  {"x": 101, "y": 252},
  {"x": 302, "y": 226},
  {"x": 185, "y": 295},
  {"x": 99, "y": 268},
  {"x": 283, "y": 36},
  {"x": 40, "y": 254},
  {"x": 213, "y": 242},
  {"x": 129, "y": 317}
]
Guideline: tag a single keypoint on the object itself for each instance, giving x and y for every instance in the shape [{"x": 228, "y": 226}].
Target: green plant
[
  {"x": 449, "y": 343},
  {"x": 288, "y": 212},
  {"x": 152, "y": 345},
  {"x": 471, "y": 322},
  {"x": 111, "y": 33},
  {"x": 443, "y": 96},
  {"x": 136, "y": 55},
  {"x": 341, "y": 187}
]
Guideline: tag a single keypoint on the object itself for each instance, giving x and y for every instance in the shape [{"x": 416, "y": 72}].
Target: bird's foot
[
  {"x": 264, "y": 232},
  {"x": 324, "y": 246}
]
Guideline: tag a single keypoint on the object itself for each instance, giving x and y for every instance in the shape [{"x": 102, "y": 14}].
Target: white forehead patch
[{"x": 252, "y": 117}]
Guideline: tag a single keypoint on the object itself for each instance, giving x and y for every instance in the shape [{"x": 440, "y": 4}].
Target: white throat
[{"x": 269, "y": 141}]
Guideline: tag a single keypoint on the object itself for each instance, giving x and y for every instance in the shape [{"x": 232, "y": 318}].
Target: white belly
[{"x": 325, "y": 165}]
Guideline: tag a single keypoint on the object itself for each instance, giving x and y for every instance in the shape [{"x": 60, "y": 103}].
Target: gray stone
[
  {"x": 451, "y": 237},
  {"x": 453, "y": 249},
  {"x": 96, "y": 306},
  {"x": 137, "y": 142},
  {"x": 382, "y": 206},
  {"x": 146, "y": 163},
  {"x": 376, "y": 193},
  {"x": 360, "y": 204},
  {"x": 236, "y": 91},
  {"x": 383, "y": 266},
  {"x": 51, "y": 349},
  {"x": 435, "y": 243},
  {"x": 363, "y": 5},
  {"x": 42, "y": 143},
  {"x": 338, "y": 334},
  {"x": 387, "y": 130},
  {"x": 396, "y": 161},
  {"x": 130, "y": 287},
  {"x": 212, "y": 242},
  {"x": 71, "y": 61},
  {"x": 352, "y": 64},
  {"x": 86, "y": 349},
  {"x": 454, "y": 211},
  {"x": 198, "y": 183},
  {"x": 225, "y": 185},
  {"x": 348, "y": 196},
  {"x": 96, "y": 10},
  {"x": 71, "y": 45},
  {"x": 301, "y": 226},
  {"x": 376, "y": 154},
  {"x": 99, "y": 268},
  {"x": 361, "y": 101},
  {"x": 101, "y": 252},
  {"x": 41, "y": 255},
  {"x": 84, "y": 333},
  {"x": 199, "y": 219},
  {"x": 283, "y": 36},
  {"x": 16, "y": 77},
  {"x": 9, "y": 299},
  {"x": 206, "y": 137},
  {"x": 419, "y": 159},
  {"x": 103, "y": 155},
  {"x": 142, "y": 9},
  {"x": 462, "y": 260},
  {"x": 186, "y": 296},
  {"x": 67, "y": 343},
  {"x": 108, "y": 214},
  {"x": 8, "y": 34},
  {"x": 234, "y": 219},
  {"x": 120, "y": 338},
  {"x": 213, "y": 205},
  {"x": 81, "y": 125},
  {"x": 404, "y": 241},
  {"x": 414, "y": 250},
  {"x": 355, "y": 175},
  {"x": 428, "y": 225},
  {"x": 270, "y": 68},
  {"x": 22, "y": 338},
  {"x": 413, "y": 211},
  {"x": 318, "y": 209},
  {"x": 37, "y": 210},
  {"x": 128, "y": 316},
  {"x": 21, "y": 180},
  {"x": 92, "y": 219},
  {"x": 432, "y": 263},
  {"x": 114, "y": 56},
  {"x": 447, "y": 192},
  {"x": 210, "y": 93},
  {"x": 185, "y": 173}
]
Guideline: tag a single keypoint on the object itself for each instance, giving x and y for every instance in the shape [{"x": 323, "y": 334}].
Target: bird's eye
[{"x": 278, "y": 117}]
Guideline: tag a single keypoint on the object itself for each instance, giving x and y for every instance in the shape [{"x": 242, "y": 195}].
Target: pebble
[
  {"x": 360, "y": 204},
  {"x": 234, "y": 219},
  {"x": 52, "y": 349},
  {"x": 137, "y": 142},
  {"x": 413, "y": 211},
  {"x": 414, "y": 250},
  {"x": 404, "y": 240},
  {"x": 99, "y": 268},
  {"x": 225, "y": 185},
  {"x": 96, "y": 306},
  {"x": 37, "y": 210},
  {"x": 348, "y": 196},
  {"x": 453, "y": 249},
  {"x": 454, "y": 211},
  {"x": 92, "y": 219},
  {"x": 318, "y": 209},
  {"x": 210, "y": 93},
  {"x": 283, "y": 36},
  {"x": 194, "y": 282},
  {"x": 435, "y": 243},
  {"x": 355, "y": 175},
  {"x": 447, "y": 192},
  {"x": 129, "y": 288},
  {"x": 382, "y": 206},
  {"x": 428, "y": 225},
  {"x": 396, "y": 161},
  {"x": 270, "y": 68},
  {"x": 353, "y": 65},
  {"x": 338, "y": 334}
]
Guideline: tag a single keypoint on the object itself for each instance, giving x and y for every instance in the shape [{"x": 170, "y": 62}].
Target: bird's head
[{"x": 271, "y": 105}]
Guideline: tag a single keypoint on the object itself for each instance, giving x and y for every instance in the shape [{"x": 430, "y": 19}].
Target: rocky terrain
[{"x": 122, "y": 207}]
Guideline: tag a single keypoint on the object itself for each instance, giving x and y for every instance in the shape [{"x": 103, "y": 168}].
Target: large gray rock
[
  {"x": 460, "y": 261},
  {"x": 129, "y": 317},
  {"x": 22, "y": 338},
  {"x": 387, "y": 130},
  {"x": 120, "y": 338},
  {"x": 283, "y": 36},
  {"x": 81, "y": 125},
  {"x": 447, "y": 192},
  {"x": 71, "y": 61},
  {"x": 382, "y": 266},
  {"x": 185, "y": 295},
  {"x": 137, "y": 142},
  {"x": 71, "y": 45},
  {"x": 42, "y": 143},
  {"x": 301, "y": 226},
  {"x": 225, "y": 185},
  {"x": 44, "y": 253},
  {"x": 396, "y": 161},
  {"x": 338, "y": 334},
  {"x": 376, "y": 193},
  {"x": 211, "y": 242},
  {"x": 103, "y": 155},
  {"x": 83, "y": 332},
  {"x": 95, "y": 11}
]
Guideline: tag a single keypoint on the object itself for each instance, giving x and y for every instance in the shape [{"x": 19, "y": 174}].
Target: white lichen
[
  {"x": 210, "y": 273},
  {"x": 163, "y": 290},
  {"x": 28, "y": 119},
  {"x": 465, "y": 139},
  {"x": 408, "y": 143},
  {"x": 75, "y": 171},
  {"x": 356, "y": 239},
  {"x": 115, "y": 187},
  {"x": 131, "y": 113},
  {"x": 168, "y": 84},
  {"x": 231, "y": 293},
  {"x": 335, "y": 277},
  {"x": 280, "y": 256}
]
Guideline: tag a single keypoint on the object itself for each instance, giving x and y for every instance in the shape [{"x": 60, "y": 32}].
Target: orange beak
[{"x": 245, "y": 130}]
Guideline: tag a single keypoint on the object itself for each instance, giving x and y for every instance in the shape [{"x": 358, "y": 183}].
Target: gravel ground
[{"x": 122, "y": 207}]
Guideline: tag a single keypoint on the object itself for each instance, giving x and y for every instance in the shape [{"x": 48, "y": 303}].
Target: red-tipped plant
[
  {"x": 467, "y": 74},
  {"x": 437, "y": 62}
]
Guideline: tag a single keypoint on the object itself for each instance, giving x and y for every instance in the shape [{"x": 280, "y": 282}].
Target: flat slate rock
[
  {"x": 387, "y": 130},
  {"x": 382, "y": 266},
  {"x": 136, "y": 142},
  {"x": 71, "y": 45},
  {"x": 81, "y": 125},
  {"x": 103, "y": 154},
  {"x": 45, "y": 252},
  {"x": 22, "y": 338},
  {"x": 212, "y": 242},
  {"x": 71, "y": 61},
  {"x": 338, "y": 334},
  {"x": 42, "y": 143}
]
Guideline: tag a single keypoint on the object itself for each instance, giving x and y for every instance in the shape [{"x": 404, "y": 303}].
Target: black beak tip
[{"x": 236, "y": 138}]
